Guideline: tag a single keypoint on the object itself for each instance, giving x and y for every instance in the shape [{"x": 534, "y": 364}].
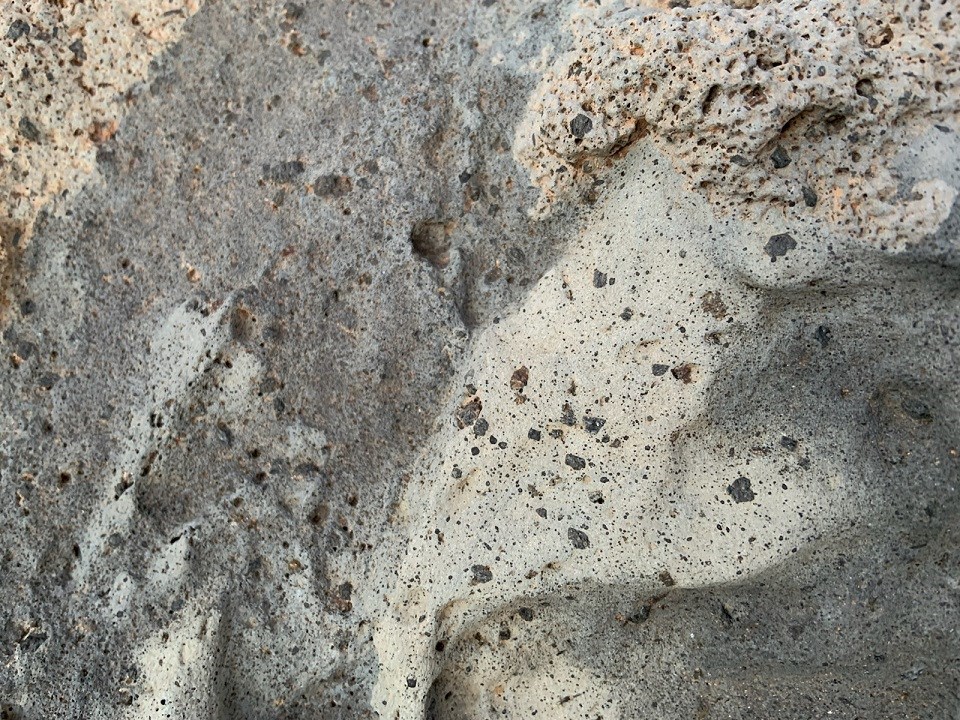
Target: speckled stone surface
[{"x": 329, "y": 394}]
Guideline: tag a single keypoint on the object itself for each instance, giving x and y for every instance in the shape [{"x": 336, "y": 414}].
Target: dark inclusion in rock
[
  {"x": 468, "y": 413},
  {"x": 593, "y": 424},
  {"x": 576, "y": 462},
  {"x": 578, "y": 538},
  {"x": 780, "y": 158},
  {"x": 481, "y": 573},
  {"x": 779, "y": 246},
  {"x": 580, "y": 126},
  {"x": 740, "y": 490}
]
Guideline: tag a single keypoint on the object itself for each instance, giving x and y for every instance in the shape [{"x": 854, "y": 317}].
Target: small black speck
[
  {"x": 740, "y": 490},
  {"x": 780, "y": 157},
  {"x": 411, "y": 682},
  {"x": 599, "y": 279},
  {"x": 779, "y": 246},
  {"x": 581, "y": 125},
  {"x": 502, "y": 445},
  {"x": 575, "y": 461},
  {"x": 533, "y": 434},
  {"x": 457, "y": 473},
  {"x": 593, "y": 424},
  {"x": 659, "y": 369},
  {"x": 626, "y": 314},
  {"x": 578, "y": 538},
  {"x": 474, "y": 450}
]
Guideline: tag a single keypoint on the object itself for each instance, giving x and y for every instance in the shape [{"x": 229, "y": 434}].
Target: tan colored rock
[
  {"x": 798, "y": 110},
  {"x": 66, "y": 69}
]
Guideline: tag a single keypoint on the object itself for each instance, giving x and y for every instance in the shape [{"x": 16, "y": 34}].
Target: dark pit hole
[{"x": 430, "y": 240}]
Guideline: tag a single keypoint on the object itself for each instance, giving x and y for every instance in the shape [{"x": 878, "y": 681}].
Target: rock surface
[{"x": 473, "y": 360}]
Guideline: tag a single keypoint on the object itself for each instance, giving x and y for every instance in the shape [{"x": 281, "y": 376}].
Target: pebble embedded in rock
[
  {"x": 823, "y": 335},
  {"x": 29, "y": 130},
  {"x": 519, "y": 379},
  {"x": 740, "y": 490},
  {"x": 684, "y": 373},
  {"x": 788, "y": 443},
  {"x": 580, "y": 126},
  {"x": 575, "y": 461},
  {"x": 481, "y": 573},
  {"x": 779, "y": 245},
  {"x": 468, "y": 413},
  {"x": 579, "y": 538},
  {"x": 780, "y": 158},
  {"x": 593, "y": 424}
]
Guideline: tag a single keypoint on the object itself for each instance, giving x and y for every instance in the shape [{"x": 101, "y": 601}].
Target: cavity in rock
[{"x": 430, "y": 240}]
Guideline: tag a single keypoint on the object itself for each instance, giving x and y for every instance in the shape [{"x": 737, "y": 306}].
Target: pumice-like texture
[
  {"x": 776, "y": 107},
  {"x": 308, "y": 415},
  {"x": 67, "y": 72}
]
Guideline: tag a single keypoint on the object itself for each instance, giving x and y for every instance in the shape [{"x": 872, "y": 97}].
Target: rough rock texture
[
  {"x": 308, "y": 414},
  {"x": 68, "y": 72},
  {"x": 679, "y": 430},
  {"x": 799, "y": 109}
]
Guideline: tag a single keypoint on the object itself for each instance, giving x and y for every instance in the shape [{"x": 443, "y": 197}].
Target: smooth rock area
[{"x": 494, "y": 359}]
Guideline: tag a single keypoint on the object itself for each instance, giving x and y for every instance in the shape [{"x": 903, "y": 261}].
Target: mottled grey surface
[{"x": 322, "y": 198}]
